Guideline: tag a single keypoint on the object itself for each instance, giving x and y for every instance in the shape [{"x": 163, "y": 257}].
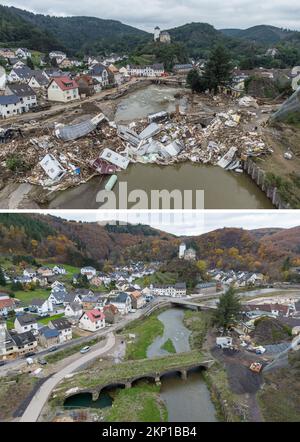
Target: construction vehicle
[
  {"x": 224, "y": 342},
  {"x": 256, "y": 367}
]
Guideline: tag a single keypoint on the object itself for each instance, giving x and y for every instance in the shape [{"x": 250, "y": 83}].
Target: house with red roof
[
  {"x": 63, "y": 89},
  {"x": 92, "y": 320},
  {"x": 7, "y": 304}
]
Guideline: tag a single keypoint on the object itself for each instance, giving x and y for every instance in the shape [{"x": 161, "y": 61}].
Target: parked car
[
  {"x": 31, "y": 353},
  {"x": 85, "y": 349},
  {"x": 53, "y": 349},
  {"x": 2, "y": 363},
  {"x": 42, "y": 361}
]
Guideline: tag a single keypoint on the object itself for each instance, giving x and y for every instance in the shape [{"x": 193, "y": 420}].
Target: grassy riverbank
[
  {"x": 198, "y": 323},
  {"x": 57, "y": 356},
  {"x": 145, "y": 333},
  {"x": 279, "y": 398},
  {"x": 226, "y": 402},
  {"x": 137, "y": 404}
]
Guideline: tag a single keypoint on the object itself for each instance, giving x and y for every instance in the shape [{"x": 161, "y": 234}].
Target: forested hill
[
  {"x": 76, "y": 34},
  {"x": 15, "y": 32},
  {"x": 91, "y": 35},
  {"x": 79, "y": 243},
  {"x": 263, "y": 34}
]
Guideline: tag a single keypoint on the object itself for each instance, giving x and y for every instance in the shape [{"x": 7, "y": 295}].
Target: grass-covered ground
[
  {"x": 157, "y": 278},
  {"x": 198, "y": 323},
  {"x": 58, "y": 355},
  {"x": 279, "y": 399},
  {"x": 106, "y": 374},
  {"x": 27, "y": 296},
  {"x": 45, "y": 321},
  {"x": 145, "y": 332},
  {"x": 13, "y": 391},
  {"x": 137, "y": 404},
  {"x": 169, "y": 346}
]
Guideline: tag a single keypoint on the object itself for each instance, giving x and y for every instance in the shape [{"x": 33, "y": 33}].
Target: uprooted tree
[{"x": 228, "y": 309}]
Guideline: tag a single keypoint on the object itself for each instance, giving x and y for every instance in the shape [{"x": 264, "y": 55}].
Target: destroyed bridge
[{"x": 127, "y": 374}]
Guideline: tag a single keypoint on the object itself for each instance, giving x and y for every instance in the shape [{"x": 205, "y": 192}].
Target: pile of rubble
[{"x": 71, "y": 154}]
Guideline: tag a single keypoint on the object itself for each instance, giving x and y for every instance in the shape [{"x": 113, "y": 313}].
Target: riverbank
[{"x": 229, "y": 406}]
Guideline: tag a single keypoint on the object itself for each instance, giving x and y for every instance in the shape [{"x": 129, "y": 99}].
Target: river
[
  {"x": 186, "y": 400},
  {"x": 222, "y": 189}
]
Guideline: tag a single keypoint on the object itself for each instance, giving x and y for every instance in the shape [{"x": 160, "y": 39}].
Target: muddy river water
[{"x": 222, "y": 189}]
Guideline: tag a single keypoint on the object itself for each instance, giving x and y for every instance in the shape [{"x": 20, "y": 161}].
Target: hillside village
[{"x": 49, "y": 305}]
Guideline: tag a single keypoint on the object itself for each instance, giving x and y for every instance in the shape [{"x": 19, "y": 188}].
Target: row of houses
[
  {"x": 28, "y": 334},
  {"x": 237, "y": 278}
]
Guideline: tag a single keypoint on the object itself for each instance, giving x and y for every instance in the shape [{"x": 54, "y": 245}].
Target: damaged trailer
[
  {"x": 75, "y": 131},
  {"x": 52, "y": 167},
  {"x": 115, "y": 158}
]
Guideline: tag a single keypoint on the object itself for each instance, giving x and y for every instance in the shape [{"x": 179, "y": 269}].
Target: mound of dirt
[{"x": 270, "y": 331}]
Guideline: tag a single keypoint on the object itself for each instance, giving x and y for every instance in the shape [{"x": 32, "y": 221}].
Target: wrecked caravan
[
  {"x": 159, "y": 116},
  {"x": 75, "y": 131},
  {"x": 115, "y": 158},
  {"x": 128, "y": 135},
  {"x": 52, "y": 167}
]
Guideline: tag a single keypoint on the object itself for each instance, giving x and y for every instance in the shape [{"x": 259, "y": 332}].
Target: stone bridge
[
  {"x": 171, "y": 302},
  {"x": 127, "y": 374},
  {"x": 153, "y": 377}
]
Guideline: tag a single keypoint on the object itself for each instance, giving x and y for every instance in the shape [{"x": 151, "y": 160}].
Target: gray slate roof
[{"x": 9, "y": 99}]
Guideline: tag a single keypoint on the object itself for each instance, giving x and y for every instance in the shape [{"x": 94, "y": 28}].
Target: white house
[
  {"x": 25, "y": 93},
  {"x": 73, "y": 310},
  {"x": 100, "y": 73},
  {"x": 57, "y": 298},
  {"x": 25, "y": 323},
  {"x": 90, "y": 272},
  {"x": 122, "y": 301},
  {"x": 29, "y": 272},
  {"x": 38, "y": 80},
  {"x": 52, "y": 167},
  {"x": 92, "y": 320},
  {"x": 63, "y": 89},
  {"x": 58, "y": 55},
  {"x": 175, "y": 291},
  {"x": 63, "y": 326},
  {"x": 9, "y": 105},
  {"x": 42, "y": 305},
  {"x": 154, "y": 70},
  {"x": 59, "y": 270},
  {"x": 20, "y": 74},
  {"x": 58, "y": 286},
  {"x": 23, "y": 53}
]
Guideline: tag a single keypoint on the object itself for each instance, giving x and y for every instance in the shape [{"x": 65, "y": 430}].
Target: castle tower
[
  {"x": 156, "y": 33},
  {"x": 182, "y": 249}
]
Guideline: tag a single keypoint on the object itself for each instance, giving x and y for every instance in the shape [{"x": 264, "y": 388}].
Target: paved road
[{"x": 41, "y": 396}]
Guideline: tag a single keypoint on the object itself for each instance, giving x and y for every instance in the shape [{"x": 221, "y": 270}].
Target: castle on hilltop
[{"x": 161, "y": 36}]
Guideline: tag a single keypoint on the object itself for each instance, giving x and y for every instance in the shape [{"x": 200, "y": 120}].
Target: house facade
[
  {"x": 74, "y": 310},
  {"x": 92, "y": 320},
  {"x": 63, "y": 89},
  {"x": 176, "y": 291},
  {"x": 25, "y": 93},
  {"x": 10, "y": 105},
  {"x": 25, "y": 323},
  {"x": 63, "y": 326},
  {"x": 122, "y": 301}
]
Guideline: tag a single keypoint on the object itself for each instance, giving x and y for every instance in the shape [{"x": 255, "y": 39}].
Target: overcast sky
[
  {"x": 171, "y": 13},
  {"x": 191, "y": 223}
]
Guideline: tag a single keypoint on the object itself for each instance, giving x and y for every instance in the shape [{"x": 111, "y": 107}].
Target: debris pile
[{"x": 69, "y": 155}]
